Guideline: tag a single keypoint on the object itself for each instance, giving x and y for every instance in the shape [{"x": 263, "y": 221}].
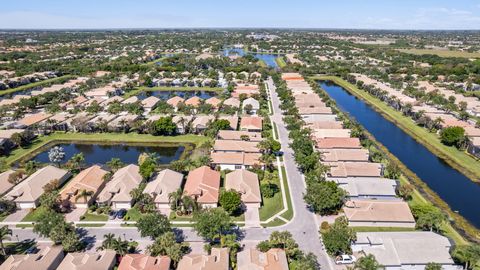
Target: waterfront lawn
[
  {"x": 459, "y": 160},
  {"x": 33, "y": 85},
  {"x": 280, "y": 62},
  {"x": 41, "y": 141}
]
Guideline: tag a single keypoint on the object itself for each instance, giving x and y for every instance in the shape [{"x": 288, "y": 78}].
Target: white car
[{"x": 345, "y": 259}]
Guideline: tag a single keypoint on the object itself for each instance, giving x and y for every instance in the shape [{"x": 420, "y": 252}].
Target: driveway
[
  {"x": 17, "y": 216},
  {"x": 75, "y": 214},
  {"x": 252, "y": 217}
]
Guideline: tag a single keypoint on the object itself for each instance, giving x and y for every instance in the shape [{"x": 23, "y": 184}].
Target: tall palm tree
[
  {"x": 5, "y": 234},
  {"x": 175, "y": 198},
  {"x": 120, "y": 246},
  {"x": 189, "y": 204},
  {"x": 85, "y": 195}
]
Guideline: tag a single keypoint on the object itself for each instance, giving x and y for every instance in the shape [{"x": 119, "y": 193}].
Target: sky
[{"x": 351, "y": 14}]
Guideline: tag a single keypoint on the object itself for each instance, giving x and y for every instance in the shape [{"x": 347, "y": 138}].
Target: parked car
[
  {"x": 121, "y": 213},
  {"x": 112, "y": 215},
  {"x": 278, "y": 153},
  {"x": 345, "y": 259}
]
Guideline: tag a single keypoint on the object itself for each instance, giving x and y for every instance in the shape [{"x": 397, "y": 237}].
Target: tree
[
  {"x": 428, "y": 217},
  {"x": 392, "y": 171},
  {"x": 452, "y": 136},
  {"x": 17, "y": 139},
  {"x": 338, "y": 238},
  {"x": 283, "y": 240},
  {"x": 56, "y": 155},
  {"x": 269, "y": 190},
  {"x": 76, "y": 161},
  {"x": 84, "y": 195},
  {"x": 211, "y": 223},
  {"x": 50, "y": 200},
  {"x": 15, "y": 177},
  {"x": 5, "y": 232},
  {"x": 108, "y": 241},
  {"x": 230, "y": 200},
  {"x": 324, "y": 197},
  {"x": 468, "y": 255},
  {"x": 367, "y": 263},
  {"x": 153, "y": 225},
  {"x": 166, "y": 245},
  {"x": 163, "y": 126},
  {"x": 433, "y": 266},
  {"x": 115, "y": 164},
  {"x": 121, "y": 246},
  {"x": 147, "y": 167},
  {"x": 46, "y": 222},
  {"x": 305, "y": 262}
]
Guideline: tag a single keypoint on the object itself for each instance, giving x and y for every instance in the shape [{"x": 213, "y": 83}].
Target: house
[
  {"x": 30, "y": 120},
  {"x": 182, "y": 122},
  {"x": 246, "y": 183},
  {"x": 215, "y": 102},
  {"x": 150, "y": 103},
  {"x": 406, "y": 250},
  {"x": 144, "y": 262},
  {"x": 232, "y": 120},
  {"x": 203, "y": 184},
  {"x": 117, "y": 190},
  {"x": 102, "y": 260},
  {"x": 336, "y": 155},
  {"x": 164, "y": 183},
  {"x": 201, "y": 122},
  {"x": 338, "y": 143},
  {"x": 193, "y": 101},
  {"x": 232, "y": 102},
  {"x": 235, "y": 146},
  {"x": 311, "y": 112},
  {"x": 89, "y": 181},
  {"x": 6, "y": 137},
  {"x": 46, "y": 258},
  {"x": 354, "y": 169},
  {"x": 112, "y": 100},
  {"x": 367, "y": 187},
  {"x": 474, "y": 146},
  {"x": 217, "y": 260},
  {"x": 122, "y": 122},
  {"x": 330, "y": 133},
  {"x": 250, "y": 106},
  {"x": 26, "y": 194},
  {"x": 378, "y": 213},
  {"x": 130, "y": 100},
  {"x": 5, "y": 185},
  {"x": 251, "y": 123},
  {"x": 325, "y": 125},
  {"x": 253, "y": 259},
  {"x": 174, "y": 101},
  {"x": 239, "y": 135},
  {"x": 319, "y": 117},
  {"x": 235, "y": 160}
]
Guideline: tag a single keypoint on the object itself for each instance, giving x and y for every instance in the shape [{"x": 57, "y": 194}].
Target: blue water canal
[{"x": 453, "y": 187}]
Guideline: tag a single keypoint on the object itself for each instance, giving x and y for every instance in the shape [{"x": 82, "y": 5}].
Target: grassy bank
[
  {"x": 460, "y": 160},
  {"x": 280, "y": 62},
  {"x": 442, "y": 53},
  {"x": 21, "y": 153},
  {"x": 33, "y": 85},
  {"x": 140, "y": 89}
]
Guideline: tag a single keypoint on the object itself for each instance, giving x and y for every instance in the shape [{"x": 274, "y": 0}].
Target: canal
[{"x": 459, "y": 192}]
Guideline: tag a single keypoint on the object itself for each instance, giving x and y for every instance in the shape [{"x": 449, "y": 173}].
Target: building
[
  {"x": 235, "y": 146},
  {"x": 474, "y": 146},
  {"x": 144, "y": 262},
  {"x": 338, "y": 143},
  {"x": 193, "y": 101},
  {"x": 232, "y": 102},
  {"x": 5, "y": 185},
  {"x": 164, "y": 183},
  {"x": 232, "y": 120},
  {"x": 150, "y": 103},
  {"x": 174, "y": 101},
  {"x": 239, "y": 135},
  {"x": 246, "y": 183},
  {"x": 406, "y": 250},
  {"x": 354, "y": 169},
  {"x": 368, "y": 187},
  {"x": 217, "y": 260},
  {"x": 26, "y": 194},
  {"x": 352, "y": 155},
  {"x": 214, "y": 102},
  {"x": 117, "y": 191},
  {"x": 102, "y": 260},
  {"x": 203, "y": 184},
  {"x": 252, "y": 259},
  {"x": 89, "y": 181},
  {"x": 251, "y": 123},
  {"x": 235, "y": 160},
  {"x": 46, "y": 258},
  {"x": 201, "y": 122},
  {"x": 378, "y": 213},
  {"x": 250, "y": 106}
]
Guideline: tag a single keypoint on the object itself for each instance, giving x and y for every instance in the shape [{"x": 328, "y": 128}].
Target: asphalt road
[{"x": 303, "y": 226}]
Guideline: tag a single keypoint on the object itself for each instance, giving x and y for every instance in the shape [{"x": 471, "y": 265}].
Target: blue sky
[{"x": 365, "y": 14}]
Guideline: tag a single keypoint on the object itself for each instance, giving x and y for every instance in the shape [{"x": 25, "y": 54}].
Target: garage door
[
  {"x": 121, "y": 205},
  {"x": 26, "y": 205}
]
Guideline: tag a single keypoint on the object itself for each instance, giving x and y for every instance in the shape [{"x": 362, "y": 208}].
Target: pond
[
  {"x": 459, "y": 192},
  {"x": 165, "y": 95},
  {"x": 102, "y": 153},
  {"x": 269, "y": 59}
]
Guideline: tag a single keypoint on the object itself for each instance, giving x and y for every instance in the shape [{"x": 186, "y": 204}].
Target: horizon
[{"x": 407, "y": 15}]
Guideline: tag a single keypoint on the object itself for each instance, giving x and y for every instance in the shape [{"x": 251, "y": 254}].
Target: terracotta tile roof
[
  {"x": 90, "y": 179},
  {"x": 102, "y": 260},
  {"x": 248, "y": 159},
  {"x": 237, "y": 135},
  {"x": 334, "y": 155},
  {"x": 358, "y": 169},
  {"x": 203, "y": 183},
  {"x": 246, "y": 183},
  {"x": 252, "y": 259},
  {"x": 144, "y": 262},
  {"x": 32, "y": 119},
  {"x": 251, "y": 123},
  {"x": 213, "y": 101},
  {"x": 335, "y": 143},
  {"x": 164, "y": 183},
  {"x": 378, "y": 211},
  {"x": 193, "y": 101},
  {"x": 175, "y": 100},
  {"x": 235, "y": 146},
  {"x": 218, "y": 260}
]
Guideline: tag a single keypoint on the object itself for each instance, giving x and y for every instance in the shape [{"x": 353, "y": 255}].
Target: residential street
[{"x": 304, "y": 226}]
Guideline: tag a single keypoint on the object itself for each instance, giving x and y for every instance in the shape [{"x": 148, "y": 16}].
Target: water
[
  {"x": 269, "y": 59},
  {"x": 165, "y": 95},
  {"x": 101, "y": 154},
  {"x": 453, "y": 187}
]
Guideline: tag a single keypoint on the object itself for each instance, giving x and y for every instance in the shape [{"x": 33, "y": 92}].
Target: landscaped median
[
  {"x": 40, "y": 142},
  {"x": 35, "y": 84},
  {"x": 457, "y": 159}
]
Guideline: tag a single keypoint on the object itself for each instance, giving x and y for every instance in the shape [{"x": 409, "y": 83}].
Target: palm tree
[
  {"x": 120, "y": 246},
  {"x": 175, "y": 198},
  {"x": 5, "y": 232},
  {"x": 189, "y": 204},
  {"x": 108, "y": 242},
  {"x": 85, "y": 195}
]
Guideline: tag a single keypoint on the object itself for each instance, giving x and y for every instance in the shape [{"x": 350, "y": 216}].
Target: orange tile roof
[{"x": 203, "y": 183}]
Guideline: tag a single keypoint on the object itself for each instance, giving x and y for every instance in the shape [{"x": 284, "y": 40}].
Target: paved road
[{"x": 303, "y": 226}]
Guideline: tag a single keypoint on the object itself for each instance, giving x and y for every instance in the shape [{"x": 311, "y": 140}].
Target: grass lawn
[
  {"x": 273, "y": 205},
  {"x": 174, "y": 217},
  {"x": 94, "y": 217},
  {"x": 140, "y": 89},
  {"x": 459, "y": 160},
  {"x": 274, "y": 223},
  {"x": 41, "y": 141},
  {"x": 32, "y": 85},
  {"x": 262, "y": 63},
  {"x": 442, "y": 53},
  {"x": 280, "y": 62},
  {"x": 289, "y": 213},
  {"x": 33, "y": 215},
  {"x": 133, "y": 214}
]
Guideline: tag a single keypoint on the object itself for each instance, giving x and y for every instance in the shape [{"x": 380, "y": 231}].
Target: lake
[
  {"x": 102, "y": 153},
  {"x": 459, "y": 192},
  {"x": 269, "y": 59}
]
